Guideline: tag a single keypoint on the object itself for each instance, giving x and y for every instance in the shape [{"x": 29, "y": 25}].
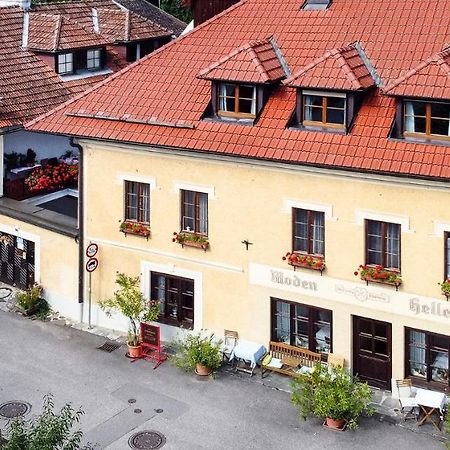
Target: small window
[
  {"x": 427, "y": 356},
  {"x": 237, "y": 100},
  {"x": 324, "y": 111},
  {"x": 426, "y": 119},
  {"x": 137, "y": 202},
  {"x": 315, "y": 5},
  {"x": 65, "y": 63},
  {"x": 194, "y": 212},
  {"x": 383, "y": 244},
  {"x": 301, "y": 325},
  {"x": 176, "y": 299},
  {"x": 94, "y": 59},
  {"x": 309, "y": 232}
]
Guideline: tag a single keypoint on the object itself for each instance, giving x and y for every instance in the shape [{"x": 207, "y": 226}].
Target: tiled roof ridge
[
  {"x": 131, "y": 66},
  {"x": 338, "y": 54},
  {"x": 243, "y": 48},
  {"x": 437, "y": 59}
]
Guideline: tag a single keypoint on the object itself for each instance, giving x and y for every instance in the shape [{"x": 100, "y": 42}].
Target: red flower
[
  {"x": 356, "y": 273},
  {"x": 284, "y": 258}
]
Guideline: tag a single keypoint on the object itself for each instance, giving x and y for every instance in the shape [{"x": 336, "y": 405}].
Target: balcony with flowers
[
  {"x": 313, "y": 262},
  {"x": 379, "y": 274}
]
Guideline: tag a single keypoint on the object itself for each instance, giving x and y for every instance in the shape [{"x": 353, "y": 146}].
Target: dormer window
[
  {"x": 236, "y": 100},
  {"x": 426, "y": 119},
  {"x": 94, "y": 57},
  {"x": 65, "y": 63},
  {"x": 324, "y": 110}
]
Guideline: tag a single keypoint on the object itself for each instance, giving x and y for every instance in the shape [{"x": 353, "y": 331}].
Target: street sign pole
[
  {"x": 90, "y": 302},
  {"x": 91, "y": 265}
]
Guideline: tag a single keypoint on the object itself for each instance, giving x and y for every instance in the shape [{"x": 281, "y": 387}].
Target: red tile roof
[
  {"x": 254, "y": 62},
  {"x": 338, "y": 69},
  {"x": 164, "y": 88},
  {"x": 430, "y": 79}
]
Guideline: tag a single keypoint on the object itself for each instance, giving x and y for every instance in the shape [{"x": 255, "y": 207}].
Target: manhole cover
[
  {"x": 109, "y": 346},
  {"x": 10, "y": 410},
  {"x": 146, "y": 440}
]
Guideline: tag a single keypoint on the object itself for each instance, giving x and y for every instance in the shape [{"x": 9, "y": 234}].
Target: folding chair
[
  {"x": 408, "y": 406},
  {"x": 229, "y": 342}
]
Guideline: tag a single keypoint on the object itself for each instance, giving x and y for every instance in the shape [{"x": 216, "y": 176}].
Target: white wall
[
  {"x": 25, "y": 4},
  {"x": 45, "y": 145}
]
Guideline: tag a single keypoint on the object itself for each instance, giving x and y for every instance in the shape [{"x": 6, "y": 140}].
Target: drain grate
[
  {"x": 146, "y": 440},
  {"x": 11, "y": 410},
  {"x": 109, "y": 346}
]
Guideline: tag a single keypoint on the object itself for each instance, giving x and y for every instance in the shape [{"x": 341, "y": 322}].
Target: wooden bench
[{"x": 291, "y": 357}]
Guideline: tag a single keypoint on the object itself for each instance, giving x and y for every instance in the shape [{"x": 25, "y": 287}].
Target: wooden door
[{"x": 372, "y": 350}]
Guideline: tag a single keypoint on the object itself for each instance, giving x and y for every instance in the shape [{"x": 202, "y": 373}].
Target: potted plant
[
  {"x": 31, "y": 302},
  {"x": 197, "y": 352},
  {"x": 378, "y": 274},
  {"x": 137, "y": 228},
  {"x": 191, "y": 239},
  {"x": 130, "y": 301},
  {"x": 307, "y": 261},
  {"x": 333, "y": 394},
  {"x": 445, "y": 287}
]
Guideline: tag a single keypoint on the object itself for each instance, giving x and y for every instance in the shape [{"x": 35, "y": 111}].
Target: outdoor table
[
  {"x": 248, "y": 352},
  {"x": 430, "y": 402}
]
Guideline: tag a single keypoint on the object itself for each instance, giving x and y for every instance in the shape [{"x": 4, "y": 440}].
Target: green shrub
[
  {"x": 193, "y": 349},
  {"x": 332, "y": 393},
  {"x": 32, "y": 303},
  {"x": 48, "y": 431}
]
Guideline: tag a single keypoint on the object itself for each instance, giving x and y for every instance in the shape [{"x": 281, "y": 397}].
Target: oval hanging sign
[
  {"x": 92, "y": 264},
  {"x": 91, "y": 250}
]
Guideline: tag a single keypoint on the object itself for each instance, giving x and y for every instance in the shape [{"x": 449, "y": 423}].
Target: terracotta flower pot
[
  {"x": 134, "y": 352},
  {"x": 335, "y": 423},
  {"x": 202, "y": 370}
]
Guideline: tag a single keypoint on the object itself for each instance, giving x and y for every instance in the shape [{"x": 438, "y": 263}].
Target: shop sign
[
  {"x": 278, "y": 277},
  {"x": 437, "y": 309}
]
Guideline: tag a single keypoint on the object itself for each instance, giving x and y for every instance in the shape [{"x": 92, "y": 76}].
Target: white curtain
[
  {"x": 417, "y": 352},
  {"x": 409, "y": 117},
  {"x": 254, "y": 101},
  {"x": 393, "y": 241},
  {"x": 308, "y": 109},
  {"x": 222, "y": 97},
  {"x": 203, "y": 213},
  {"x": 318, "y": 228}
]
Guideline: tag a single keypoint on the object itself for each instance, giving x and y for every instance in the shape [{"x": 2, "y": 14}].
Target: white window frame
[{"x": 65, "y": 63}]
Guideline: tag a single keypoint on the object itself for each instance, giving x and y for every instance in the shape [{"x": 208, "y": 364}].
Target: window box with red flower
[
  {"x": 191, "y": 240},
  {"x": 136, "y": 228},
  {"x": 306, "y": 261},
  {"x": 52, "y": 178},
  {"x": 445, "y": 288},
  {"x": 379, "y": 274}
]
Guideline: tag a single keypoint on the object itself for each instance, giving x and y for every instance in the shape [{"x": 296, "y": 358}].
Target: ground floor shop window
[
  {"x": 176, "y": 299},
  {"x": 301, "y": 325},
  {"x": 427, "y": 356}
]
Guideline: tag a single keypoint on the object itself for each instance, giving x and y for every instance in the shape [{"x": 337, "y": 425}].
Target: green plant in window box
[
  {"x": 308, "y": 261},
  {"x": 378, "y": 274},
  {"x": 445, "y": 287},
  {"x": 140, "y": 229},
  {"x": 190, "y": 239}
]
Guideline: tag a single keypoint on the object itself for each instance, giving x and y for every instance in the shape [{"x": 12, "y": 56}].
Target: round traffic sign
[
  {"x": 92, "y": 264},
  {"x": 91, "y": 250}
]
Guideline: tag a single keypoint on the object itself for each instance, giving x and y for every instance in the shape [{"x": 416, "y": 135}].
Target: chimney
[
  {"x": 95, "y": 21},
  {"x": 25, "y": 27},
  {"x": 203, "y": 10}
]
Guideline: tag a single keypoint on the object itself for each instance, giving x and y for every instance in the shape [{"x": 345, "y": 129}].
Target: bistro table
[
  {"x": 249, "y": 353},
  {"x": 430, "y": 402}
]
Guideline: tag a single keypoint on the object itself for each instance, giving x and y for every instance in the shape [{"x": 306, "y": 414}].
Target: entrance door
[
  {"x": 16, "y": 261},
  {"x": 372, "y": 351}
]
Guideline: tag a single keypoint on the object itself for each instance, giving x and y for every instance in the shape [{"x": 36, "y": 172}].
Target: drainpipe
[{"x": 80, "y": 226}]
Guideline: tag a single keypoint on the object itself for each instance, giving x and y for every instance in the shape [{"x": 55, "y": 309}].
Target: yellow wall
[{"x": 249, "y": 203}]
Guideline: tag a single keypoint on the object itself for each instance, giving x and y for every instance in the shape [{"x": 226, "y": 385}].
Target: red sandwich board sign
[{"x": 151, "y": 343}]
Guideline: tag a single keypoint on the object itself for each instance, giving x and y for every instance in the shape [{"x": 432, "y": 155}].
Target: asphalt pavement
[{"x": 121, "y": 398}]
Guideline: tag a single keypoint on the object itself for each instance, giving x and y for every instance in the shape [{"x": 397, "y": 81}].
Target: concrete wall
[{"x": 233, "y": 286}]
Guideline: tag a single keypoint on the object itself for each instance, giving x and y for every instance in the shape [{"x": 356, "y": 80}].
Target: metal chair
[
  {"x": 229, "y": 342},
  {"x": 409, "y": 408}
]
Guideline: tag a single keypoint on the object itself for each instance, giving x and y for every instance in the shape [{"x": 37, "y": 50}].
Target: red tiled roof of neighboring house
[
  {"x": 160, "y": 101},
  {"x": 54, "y": 32},
  {"x": 430, "y": 79},
  {"x": 338, "y": 69},
  {"x": 254, "y": 62}
]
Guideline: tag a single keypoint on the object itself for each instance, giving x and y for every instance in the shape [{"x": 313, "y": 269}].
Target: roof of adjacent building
[
  {"x": 161, "y": 101},
  {"x": 430, "y": 79},
  {"x": 28, "y": 85}
]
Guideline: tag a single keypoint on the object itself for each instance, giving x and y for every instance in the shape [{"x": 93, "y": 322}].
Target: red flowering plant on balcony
[
  {"x": 445, "y": 287},
  {"x": 138, "y": 228},
  {"x": 191, "y": 239},
  {"x": 308, "y": 261},
  {"x": 52, "y": 178},
  {"x": 378, "y": 274}
]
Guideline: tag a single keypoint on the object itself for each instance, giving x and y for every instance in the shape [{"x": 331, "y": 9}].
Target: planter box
[
  {"x": 144, "y": 231},
  {"x": 202, "y": 245},
  {"x": 368, "y": 278},
  {"x": 307, "y": 266}
]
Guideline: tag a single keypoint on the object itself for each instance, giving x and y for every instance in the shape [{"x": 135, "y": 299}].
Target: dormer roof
[
  {"x": 430, "y": 79},
  {"x": 254, "y": 62},
  {"x": 55, "y": 33},
  {"x": 339, "y": 69}
]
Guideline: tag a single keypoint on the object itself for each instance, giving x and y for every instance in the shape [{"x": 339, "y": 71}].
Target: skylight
[{"x": 314, "y": 5}]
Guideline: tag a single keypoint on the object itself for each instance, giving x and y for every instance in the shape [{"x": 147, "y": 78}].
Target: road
[{"x": 229, "y": 412}]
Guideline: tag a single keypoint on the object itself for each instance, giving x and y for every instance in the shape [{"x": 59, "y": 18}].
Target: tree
[
  {"x": 48, "y": 431},
  {"x": 175, "y": 8}
]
